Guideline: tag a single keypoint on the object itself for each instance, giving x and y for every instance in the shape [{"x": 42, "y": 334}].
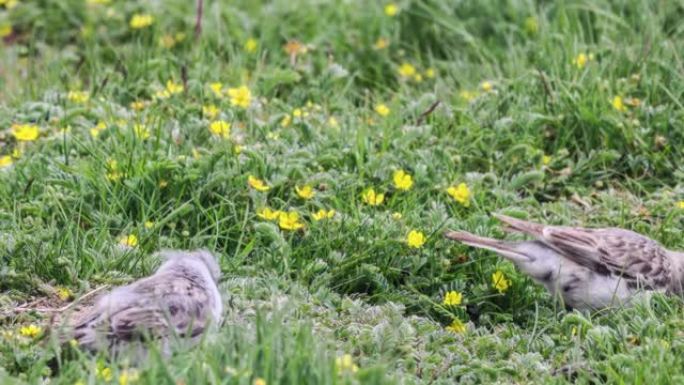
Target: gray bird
[
  {"x": 587, "y": 268},
  {"x": 180, "y": 300}
]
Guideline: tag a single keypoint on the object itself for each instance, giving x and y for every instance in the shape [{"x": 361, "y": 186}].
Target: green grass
[{"x": 297, "y": 300}]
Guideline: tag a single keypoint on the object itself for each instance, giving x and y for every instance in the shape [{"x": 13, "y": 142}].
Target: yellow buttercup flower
[
  {"x": 618, "y": 104},
  {"x": 103, "y": 373},
  {"x": 139, "y": 21},
  {"x": 323, "y": 214},
  {"x": 285, "y": 121},
  {"x": 581, "y": 60},
  {"x": 268, "y": 214},
  {"x": 210, "y": 111},
  {"x": 31, "y": 331},
  {"x": 372, "y": 198},
  {"x": 257, "y": 184},
  {"x": 381, "y": 43},
  {"x": 453, "y": 298},
  {"x": 251, "y": 45},
  {"x": 402, "y": 180},
  {"x": 240, "y": 96},
  {"x": 99, "y": 127},
  {"x": 174, "y": 88},
  {"x": 460, "y": 193},
  {"x": 64, "y": 293},
  {"x": 415, "y": 239},
  {"x": 332, "y": 122},
  {"x": 430, "y": 73},
  {"x": 149, "y": 224},
  {"x": 680, "y": 204},
  {"x": 78, "y": 96},
  {"x": 138, "y": 105},
  {"x": 406, "y": 70},
  {"x": 259, "y": 381},
  {"x": 486, "y": 86},
  {"x": 546, "y": 160},
  {"x": 6, "y": 161},
  {"x": 499, "y": 281},
  {"x": 217, "y": 89},
  {"x": 5, "y": 30},
  {"x": 345, "y": 363},
  {"x": 305, "y": 192},
  {"x": 457, "y": 326},
  {"x": 391, "y": 9},
  {"x": 128, "y": 377},
  {"x": 220, "y": 128},
  {"x": 382, "y": 110},
  {"x": 141, "y": 131},
  {"x": 130, "y": 240},
  {"x": 289, "y": 221},
  {"x": 397, "y": 215},
  {"x": 25, "y": 132}
]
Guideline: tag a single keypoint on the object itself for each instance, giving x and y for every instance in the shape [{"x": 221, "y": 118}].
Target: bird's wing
[
  {"x": 172, "y": 306},
  {"x": 637, "y": 259}
]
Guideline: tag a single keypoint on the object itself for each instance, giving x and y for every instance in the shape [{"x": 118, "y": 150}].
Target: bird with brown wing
[
  {"x": 180, "y": 300},
  {"x": 589, "y": 268}
]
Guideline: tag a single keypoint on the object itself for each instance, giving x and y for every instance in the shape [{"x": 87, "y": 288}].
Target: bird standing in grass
[
  {"x": 181, "y": 299},
  {"x": 587, "y": 268}
]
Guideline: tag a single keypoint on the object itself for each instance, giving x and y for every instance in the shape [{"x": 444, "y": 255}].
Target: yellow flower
[
  {"x": 257, "y": 184},
  {"x": 499, "y": 281},
  {"x": 220, "y": 128},
  {"x": 6, "y": 161},
  {"x": 618, "y": 104},
  {"x": 372, "y": 198},
  {"x": 289, "y": 221},
  {"x": 546, "y": 160},
  {"x": 381, "y": 43},
  {"x": 16, "y": 153},
  {"x": 406, "y": 70},
  {"x": 78, "y": 96},
  {"x": 297, "y": 112},
  {"x": 167, "y": 41},
  {"x": 5, "y": 30},
  {"x": 430, "y": 73},
  {"x": 582, "y": 59},
  {"x": 453, "y": 298},
  {"x": 129, "y": 240},
  {"x": 402, "y": 180},
  {"x": 396, "y": 215},
  {"x": 141, "y": 131},
  {"x": 531, "y": 25},
  {"x": 268, "y": 214},
  {"x": 305, "y": 192},
  {"x": 210, "y": 111},
  {"x": 323, "y": 214},
  {"x": 466, "y": 95},
  {"x": 104, "y": 373},
  {"x": 31, "y": 331},
  {"x": 415, "y": 239},
  {"x": 25, "y": 132},
  {"x": 128, "y": 377},
  {"x": 149, "y": 224},
  {"x": 138, "y": 105},
  {"x": 9, "y": 4},
  {"x": 460, "y": 193},
  {"x": 382, "y": 110},
  {"x": 95, "y": 131},
  {"x": 259, "y": 381},
  {"x": 113, "y": 172},
  {"x": 251, "y": 45},
  {"x": 240, "y": 96},
  {"x": 391, "y": 9},
  {"x": 217, "y": 89},
  {"x": 64, "y": 293},
  {"x": 139, "y": 21},
  {"x": 237, "y": 149},
  {"x": 285, "y": 121},
  {"x": 332, "y": 122},
  {"x": 457, "y": 326},
  {"x": 680, "y": 205},
  {"x": 345, "y": 363},
  {"x": 173, "y": 88},
  {"x": 486, "y": 86},
  {"x": 294, "y": 48}
]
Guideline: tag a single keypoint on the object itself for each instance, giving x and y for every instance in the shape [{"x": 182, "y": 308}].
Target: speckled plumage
[
  {"x": 180, "y": 299},
  {"x": 588, "y": 268}
]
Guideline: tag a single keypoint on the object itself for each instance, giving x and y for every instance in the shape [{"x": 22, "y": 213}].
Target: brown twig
[
  {"x": 198, "y": 20},
  {"x": 427, "y": 112}
]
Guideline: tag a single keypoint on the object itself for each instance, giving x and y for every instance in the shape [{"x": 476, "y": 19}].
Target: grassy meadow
[{"x": 321, "y": 149}]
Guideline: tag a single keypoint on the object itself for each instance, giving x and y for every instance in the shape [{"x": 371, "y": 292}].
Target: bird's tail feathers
[{"x": 507, "y": 250}]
